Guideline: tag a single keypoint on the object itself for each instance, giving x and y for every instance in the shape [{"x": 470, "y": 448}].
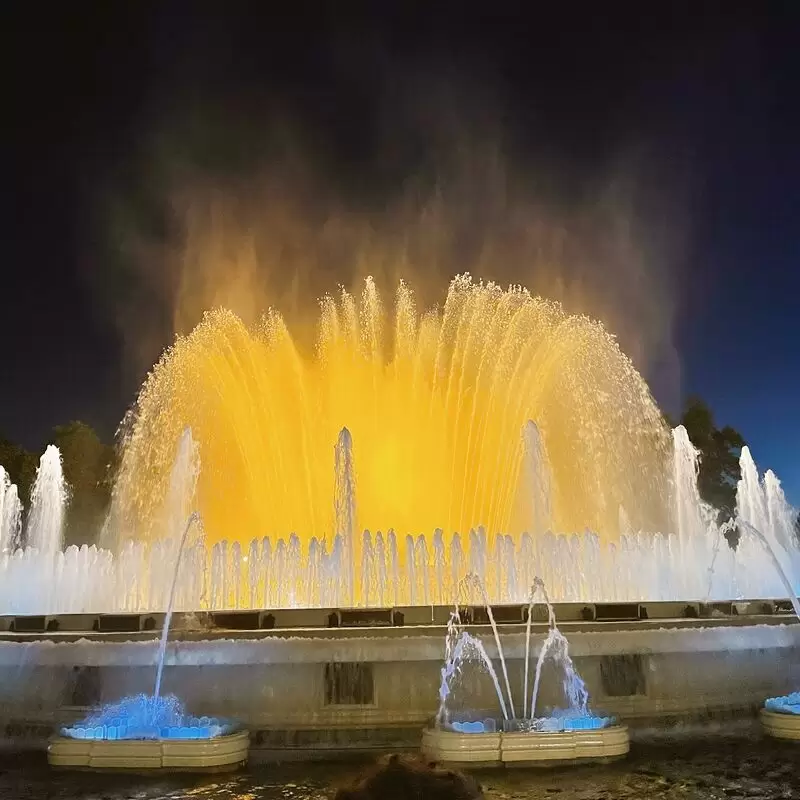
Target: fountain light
[{"x": 570, "y": 734}]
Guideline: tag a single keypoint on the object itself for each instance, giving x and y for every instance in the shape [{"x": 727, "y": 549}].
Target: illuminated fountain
[
  {"x": 154, "y": 731},
  {"x": 499, "y": 436},
  {"x": 764, "y": 516},
  {"x": 569, "y": 733},
  {"x": 10, "y": 515}
]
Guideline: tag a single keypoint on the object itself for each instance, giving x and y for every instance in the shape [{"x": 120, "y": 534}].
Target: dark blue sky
[{"x": 708, "y": 91}]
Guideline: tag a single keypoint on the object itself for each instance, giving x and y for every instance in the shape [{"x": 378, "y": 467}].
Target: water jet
[{"x": 572, "y": 734}]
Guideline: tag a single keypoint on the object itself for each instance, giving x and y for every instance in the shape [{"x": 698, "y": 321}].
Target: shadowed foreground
[{"x": 688, "y": 769}]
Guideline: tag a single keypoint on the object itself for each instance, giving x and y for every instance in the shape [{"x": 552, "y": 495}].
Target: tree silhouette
[
  {"x": 720, "y": 449},
  {"x": 20, "y": 464},
  {"x": 87, "y": 464}
]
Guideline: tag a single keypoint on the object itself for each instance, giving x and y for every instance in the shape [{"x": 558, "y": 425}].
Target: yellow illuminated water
[{"x": 435, "y": 400}]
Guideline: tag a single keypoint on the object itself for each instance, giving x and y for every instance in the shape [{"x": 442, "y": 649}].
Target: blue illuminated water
[
  {"x": 144, "y": 717},
  {"x": 790, "y": 704},
  {"x": 559, "y": 721}
]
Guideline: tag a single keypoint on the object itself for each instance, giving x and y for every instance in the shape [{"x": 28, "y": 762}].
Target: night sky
[{"x": 695, "y": 105}]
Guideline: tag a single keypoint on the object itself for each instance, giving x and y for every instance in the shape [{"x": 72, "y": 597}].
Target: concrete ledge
[
  {"x": 224, "y": 752},
  {"x": 780, "y": 726},
  {"x": 465, "y": 749},
  {"x": 275, "y": 619},
  {"x": 525, "y": 749}
]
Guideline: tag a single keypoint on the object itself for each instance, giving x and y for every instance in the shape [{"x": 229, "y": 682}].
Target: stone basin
[
  {"x": 525, "y": 748},
  {"x": 221, "y": 753},
  {"x": 780, "y": 717}
]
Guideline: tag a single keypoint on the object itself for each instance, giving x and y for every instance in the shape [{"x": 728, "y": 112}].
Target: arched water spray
[
  {"x": 785, "y": 580},
  {"x": 538, "y": 588},
  {"x": 162, "y": 647},
  {"x": 435, "y": 400},
  {"x": 474, "y": 581},
  {"x": 461, "y": 646},
  {"x": 556, "y": 647},
  {"x": 45, "y": 528}
]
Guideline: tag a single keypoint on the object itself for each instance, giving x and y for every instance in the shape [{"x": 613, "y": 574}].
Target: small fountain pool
[
  {"x": 146, "y": 717},
  {"x": 572, "y": 733},
  {"x": 154, "y": 731}
]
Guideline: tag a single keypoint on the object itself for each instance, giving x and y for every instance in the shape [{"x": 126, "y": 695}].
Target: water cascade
[{"x": 690, "y": 562}]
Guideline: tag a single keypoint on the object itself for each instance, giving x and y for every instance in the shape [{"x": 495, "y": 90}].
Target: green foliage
[
  {"x": 88, "y": 468},
  {"x": 719, "y": 456}
]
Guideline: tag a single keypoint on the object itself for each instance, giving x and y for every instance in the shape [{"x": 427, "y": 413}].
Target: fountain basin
[
  {"x": 780, "y": 717},
  {"x": 221, "y": 753},
  {"x": 528, "y": 748}
]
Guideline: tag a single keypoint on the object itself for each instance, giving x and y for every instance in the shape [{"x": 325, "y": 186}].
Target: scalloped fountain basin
[
  {"x": 780, "y": 717},
  {"x": 543, "y": 741},
  {"x": 141, "y": 733}
]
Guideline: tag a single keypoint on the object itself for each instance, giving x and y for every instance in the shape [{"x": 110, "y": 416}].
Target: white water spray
[
  {"x": 10, "y": 514},
  {"x": 45, "y": 528}
]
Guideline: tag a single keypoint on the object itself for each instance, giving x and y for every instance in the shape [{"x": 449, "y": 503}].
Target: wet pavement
[{"x": 687, "y": 768}]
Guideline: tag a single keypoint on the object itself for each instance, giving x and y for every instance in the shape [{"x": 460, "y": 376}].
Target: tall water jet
[
  {"x": 45, "y": 526},
  {"x": 345, "y": 502},
  {"x": 180, "y": 500},
  {"x": 537, "y": 478},
  {"x": 10, "y": 514},
  {"x": 690, "y": 518},
  {"x": 694, "y": 522}
]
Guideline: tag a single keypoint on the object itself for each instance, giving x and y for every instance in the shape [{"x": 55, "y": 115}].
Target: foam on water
[
  {"x": 145, "y": 717},
  {"x": 790, "y": 704}
]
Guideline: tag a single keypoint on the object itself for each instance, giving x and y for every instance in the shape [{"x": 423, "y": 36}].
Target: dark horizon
[{"x": 661, "y": 145}]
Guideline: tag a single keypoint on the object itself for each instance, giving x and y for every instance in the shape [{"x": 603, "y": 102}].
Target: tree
[
  {"x": 719, "y": 456},
  {"x": 87, "y": 464},
  {"x": 20, "y": 464}
]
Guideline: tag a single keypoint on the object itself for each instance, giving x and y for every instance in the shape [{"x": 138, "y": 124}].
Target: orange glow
[{"x": 435, "y": 402}]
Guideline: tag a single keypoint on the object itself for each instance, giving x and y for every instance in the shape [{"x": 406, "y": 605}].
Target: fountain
[
  {"x": 44, "y": 532},
  {"x": 568, "y": 734},
  {"x": 692, "y": 562},
  {"x": 10, "y": 514},
  {"x": 501, "y": 435},
  {"x": 764, "y": 516},
  {"x": 497, "y": 435},
  {"x": 154, "y": 731}
]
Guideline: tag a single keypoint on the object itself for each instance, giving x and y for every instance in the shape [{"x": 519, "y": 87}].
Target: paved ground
[{"x": 682, "y": 769}]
